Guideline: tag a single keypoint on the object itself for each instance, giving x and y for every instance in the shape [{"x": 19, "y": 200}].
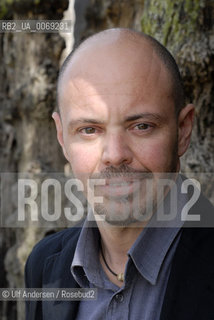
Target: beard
[
  {"x": 131, "y": 196},
  {"x": 122, "y": 212}
]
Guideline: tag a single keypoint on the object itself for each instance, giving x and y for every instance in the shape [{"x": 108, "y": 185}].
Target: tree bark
[
  {"x": 186, "y": 28},
  {"x": 29, "y": 66}
]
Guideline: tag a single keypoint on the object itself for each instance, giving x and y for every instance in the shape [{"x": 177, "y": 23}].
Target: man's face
[{"x": 118, "y": 123}]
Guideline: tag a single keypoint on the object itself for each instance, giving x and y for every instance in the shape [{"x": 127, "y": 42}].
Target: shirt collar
[
  {"x": 147, "y": 253},
  {"x": 85, "y": 266},
  {"x": 151, "y": 247}
]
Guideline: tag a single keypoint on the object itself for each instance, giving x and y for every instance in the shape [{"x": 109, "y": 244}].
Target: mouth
[{"x": 115, "y": 188}]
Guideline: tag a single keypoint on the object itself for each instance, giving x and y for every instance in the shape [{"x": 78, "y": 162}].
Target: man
[{"x": 123, "y": 119}]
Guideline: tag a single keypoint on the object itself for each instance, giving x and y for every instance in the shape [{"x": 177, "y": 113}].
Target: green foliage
[
  {"x": 6, "y": 6},
  {"x": 164, "y": 18}
]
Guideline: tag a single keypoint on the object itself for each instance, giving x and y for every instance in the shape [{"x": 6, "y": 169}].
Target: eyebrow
[
  {"x": 85, "y": 120},
  {"x": 146, "y": 115}
]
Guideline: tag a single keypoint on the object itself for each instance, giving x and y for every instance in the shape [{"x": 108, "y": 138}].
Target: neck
[{"x": 116, "y": 242}]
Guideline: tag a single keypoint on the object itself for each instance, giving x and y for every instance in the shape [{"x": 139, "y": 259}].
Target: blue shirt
[{"x": 146, "y": 273}]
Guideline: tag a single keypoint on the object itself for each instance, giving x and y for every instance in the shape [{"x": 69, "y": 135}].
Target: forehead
[
  {"x": 114, "y": 67},
  {"x": 132, "y": 56}
]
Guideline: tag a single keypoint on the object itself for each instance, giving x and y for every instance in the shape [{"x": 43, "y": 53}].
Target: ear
[
  {"x": 185, "y": 124},
  {"x": 59, "y": 130}
]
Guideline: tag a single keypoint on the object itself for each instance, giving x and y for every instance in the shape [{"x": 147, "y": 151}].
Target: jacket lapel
[
  {"x": 190, "y": 289},
  {"x": 57, "y": 274}
]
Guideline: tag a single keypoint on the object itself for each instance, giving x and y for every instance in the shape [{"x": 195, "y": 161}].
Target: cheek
[
  {"x": 83, "y": 159},
  {"x": 157, "y": 155}
]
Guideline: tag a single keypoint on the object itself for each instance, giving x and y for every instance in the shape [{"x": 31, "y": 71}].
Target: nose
[{"x": 116, "y": 150}]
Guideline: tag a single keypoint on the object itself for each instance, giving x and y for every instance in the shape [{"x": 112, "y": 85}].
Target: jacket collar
[{"x": 57, "y": 274}]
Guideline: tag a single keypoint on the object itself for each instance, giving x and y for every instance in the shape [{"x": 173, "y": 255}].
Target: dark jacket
[{"x": 190, "y": 290}]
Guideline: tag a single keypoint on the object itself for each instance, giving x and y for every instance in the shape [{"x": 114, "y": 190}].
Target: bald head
[{"x": 122, "y": 47}]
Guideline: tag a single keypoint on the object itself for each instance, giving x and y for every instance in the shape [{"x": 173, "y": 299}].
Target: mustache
[{"x": 123, "y": 171}]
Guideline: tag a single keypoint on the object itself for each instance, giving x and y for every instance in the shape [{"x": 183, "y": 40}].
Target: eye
[
  {"x": 88, "y": 130},
  {"x": 142, "y": 126}
]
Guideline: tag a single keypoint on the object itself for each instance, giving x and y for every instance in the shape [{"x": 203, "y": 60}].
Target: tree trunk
[
  {"x": 29, "y": 66},
  {"x": 186, "y": 28}
]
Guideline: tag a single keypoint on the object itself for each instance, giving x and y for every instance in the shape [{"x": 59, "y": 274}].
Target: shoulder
[
  {"x": 197, "y": 238},
  {"x": 49, "y": 246},
  {"x": 55, "y": 242}
]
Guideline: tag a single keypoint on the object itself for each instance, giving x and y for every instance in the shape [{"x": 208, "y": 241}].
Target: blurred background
[{"x": 29, "y": 65}]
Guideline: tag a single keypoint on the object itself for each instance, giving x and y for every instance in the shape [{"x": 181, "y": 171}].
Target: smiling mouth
[
  {"x": 120, "y": 185},
  {"x": 116, "y": 188}
]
